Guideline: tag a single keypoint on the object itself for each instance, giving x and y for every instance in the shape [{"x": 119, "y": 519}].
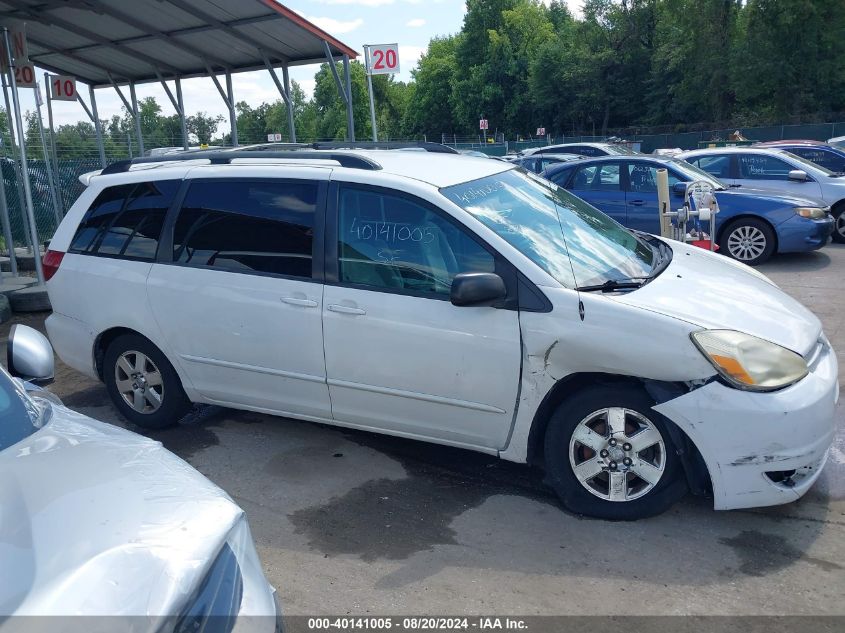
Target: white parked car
[
  {"x": 98, "y": 521},
  {"x": 775, "y": 169},
  {"x": 462, "y": 302}
]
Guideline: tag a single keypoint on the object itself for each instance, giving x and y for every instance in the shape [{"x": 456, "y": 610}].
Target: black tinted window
[
  {"x": 391, "y": 242},
  {"x": 248, "y": 226},
  {"x": 126, "y": 220},
  {"x": 827, "y": 159}
]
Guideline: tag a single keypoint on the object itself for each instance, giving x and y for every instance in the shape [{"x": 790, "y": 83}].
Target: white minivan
[{"x": 448, "y": 299}]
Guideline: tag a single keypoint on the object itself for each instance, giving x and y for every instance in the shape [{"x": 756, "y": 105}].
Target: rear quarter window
[{"x": 125, "y": 221}]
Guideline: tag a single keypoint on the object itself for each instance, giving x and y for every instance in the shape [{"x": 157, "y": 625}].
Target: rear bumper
[
  {"x": 751, "y": 442},
  {"x": 73, "y": 341},
  {"x": 799, "y": 234}
]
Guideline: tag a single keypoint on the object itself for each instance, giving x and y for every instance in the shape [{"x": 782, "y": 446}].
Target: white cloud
[
  {"x": 335, "y": 26},
  {"x": 415, "y": 23},
  {"x": 409, "y": 56}
]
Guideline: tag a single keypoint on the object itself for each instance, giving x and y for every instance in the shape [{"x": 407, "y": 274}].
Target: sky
[{"x": 410, "y": 23}]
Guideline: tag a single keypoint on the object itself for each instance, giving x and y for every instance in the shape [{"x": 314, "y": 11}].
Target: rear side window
[
  {"x": 246, "y": 226},
  {"x": 827, "y": 159},
  {"x": 126, "y": 220}
]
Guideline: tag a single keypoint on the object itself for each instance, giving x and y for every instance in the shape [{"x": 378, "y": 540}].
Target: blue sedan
[{"x": 751, "y": 224}]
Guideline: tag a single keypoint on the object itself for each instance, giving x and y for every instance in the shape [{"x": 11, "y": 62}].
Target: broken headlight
[{"x": 750, "y": 363}]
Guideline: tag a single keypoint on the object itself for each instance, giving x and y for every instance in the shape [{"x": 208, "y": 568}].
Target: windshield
[
  {"x": 20, "y": 416},
  {"x": 808, "y": 165},
  {"x": 575, "y": 243},
  {"x": 695, "y": 173}
]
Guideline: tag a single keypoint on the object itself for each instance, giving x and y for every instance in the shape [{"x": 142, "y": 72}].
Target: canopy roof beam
[{"x": 44, "y": 18}]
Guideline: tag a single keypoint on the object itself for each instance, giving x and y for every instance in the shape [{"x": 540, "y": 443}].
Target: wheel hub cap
[
  {"x": 139, "y": 382},
  {"x": 746, "y": 243},
  {"x": 617, "y": 454}
]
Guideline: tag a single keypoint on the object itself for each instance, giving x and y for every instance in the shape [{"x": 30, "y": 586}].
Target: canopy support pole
[
  {"x": 183, "y": 122},
  {"x": 284, "y": 90},
  {"x": 176, "y": 102},
  {"x": 228, "y": 98},
  {"x": 51, "y": 182},
  {"x": 16, "y": 163},
  {"x": 137, "y": 116},
  {"x": 33, "y": 231},
  {"x": 350, "y": 121},
  {"x": 233, "y": 117},
  {"x": 97, "y": 127},
  {"x": 291, "y": 113},
  {"x": 53, "y": 151}
]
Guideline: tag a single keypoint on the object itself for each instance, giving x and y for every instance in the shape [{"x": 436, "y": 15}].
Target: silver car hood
[
  {"x": 712, "y": 291},
  {"x": 96, "y": 520}
]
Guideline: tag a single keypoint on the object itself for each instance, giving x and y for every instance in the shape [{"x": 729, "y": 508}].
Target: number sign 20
[
  {"x": 383, "y": 59},
  {"x": 63, "y": 88}
]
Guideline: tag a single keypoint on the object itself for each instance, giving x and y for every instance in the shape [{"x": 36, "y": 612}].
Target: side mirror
[
  {"x": 798, "y": 174},
  {"x": 477, "y": 289},
  {"x": 679, "y": 189},
  {"x": 29, "y": 355}
]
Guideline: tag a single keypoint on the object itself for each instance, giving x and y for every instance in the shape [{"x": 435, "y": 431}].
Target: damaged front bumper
[{"x": 762, "y": 449}]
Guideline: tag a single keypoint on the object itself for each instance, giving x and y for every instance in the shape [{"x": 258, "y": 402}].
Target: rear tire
[
  {"x": 839, "y": 226},
  {"x": 748, "y": 240},
  {"x": 608, "y": 455},
  {"x": 142, "y": 383}
]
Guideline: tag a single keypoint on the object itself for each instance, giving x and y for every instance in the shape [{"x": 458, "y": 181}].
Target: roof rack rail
[
  {"x": 427, "y": 146},
  {"x": 224, "y": 157}
]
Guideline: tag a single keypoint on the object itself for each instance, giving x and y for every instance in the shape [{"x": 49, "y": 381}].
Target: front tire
[
  {"x": 839, "y": 226},
  {"x": 748, "y": 240},
  {"x": 608, "y": 455},
  {"x": 142, "y": 383}
]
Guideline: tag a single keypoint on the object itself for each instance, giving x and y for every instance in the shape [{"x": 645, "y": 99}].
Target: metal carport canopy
[{"x": 139, "y": 40}]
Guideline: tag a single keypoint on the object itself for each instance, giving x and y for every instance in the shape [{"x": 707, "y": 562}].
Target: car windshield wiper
[{"x": 614, "y": 284}]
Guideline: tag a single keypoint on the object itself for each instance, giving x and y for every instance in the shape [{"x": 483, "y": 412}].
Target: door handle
[
  {"x": 303, "y": 303},
  {"x": 637, "y": 203},
  {"x": 334, "y": 307}
]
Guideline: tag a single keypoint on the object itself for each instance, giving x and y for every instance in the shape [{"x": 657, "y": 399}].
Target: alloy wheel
[
  {"x": 840, "y": 224},
  {"x": 617, "y": 454},
  {"x": 139, "y": 382},
  {"x": 746, "y": 243}
]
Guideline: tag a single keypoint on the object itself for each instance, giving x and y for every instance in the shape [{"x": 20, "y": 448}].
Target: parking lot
[{"x": 349, "y": 522}]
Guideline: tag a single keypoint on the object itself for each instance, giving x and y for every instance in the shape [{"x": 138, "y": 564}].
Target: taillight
[{"x": 51, "y": 262}]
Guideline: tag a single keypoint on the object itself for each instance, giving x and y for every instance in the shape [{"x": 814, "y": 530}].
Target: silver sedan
[{"x": 96, "y": 520}]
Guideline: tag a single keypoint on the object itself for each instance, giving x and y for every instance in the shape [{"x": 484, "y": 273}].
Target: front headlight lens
[
  {"x": 214, "y": 608},
  {"x": 811, "y": 213},
  {"x": 748, "y": 362}
]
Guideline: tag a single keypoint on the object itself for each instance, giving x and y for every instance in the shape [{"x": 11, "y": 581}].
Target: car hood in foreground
[
  {"x": 95, "y": 520},
  {"x": 714, "y": 292}
]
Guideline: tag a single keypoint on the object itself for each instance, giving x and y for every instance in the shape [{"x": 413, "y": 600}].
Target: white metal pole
[
  {"x": 370, "y": 88},
  {"x": 97, "y": 127},
  {"x": 36, "y": 255}
]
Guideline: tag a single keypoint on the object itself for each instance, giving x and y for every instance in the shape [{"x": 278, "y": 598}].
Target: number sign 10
[
  {"x": 383, "y": 59},
  {"x": 63, "y": 88}
]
